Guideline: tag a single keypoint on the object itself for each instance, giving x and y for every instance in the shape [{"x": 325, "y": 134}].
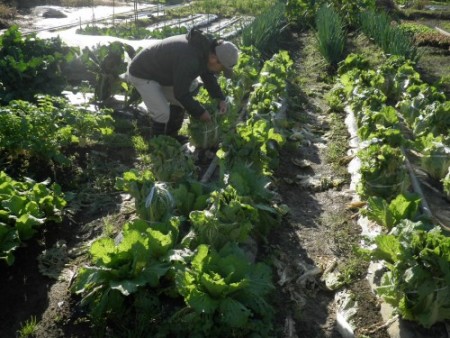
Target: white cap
[{"x": 228, "y": 55}]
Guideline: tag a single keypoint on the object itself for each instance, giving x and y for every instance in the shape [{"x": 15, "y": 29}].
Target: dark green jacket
[{"x": 176, "y": 62}]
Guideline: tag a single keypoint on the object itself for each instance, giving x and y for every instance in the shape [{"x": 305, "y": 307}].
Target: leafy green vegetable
[
  {"x": 205, "y": 135},
  {"x": 153, "y": 199},
  {"x": 121, "y": 270},
  {"x": 404, "y": 206},
  {"x": 24, "y": 208},
  {"x": 227, "y": 219},
  {"x": 167, "y": 160},
  {"x": 224, "y": 294},
  {"x": 190, "y": 195},
  {"x": 31, "y": 66},
  {"x": 435, "y": 158},
  {"x": 418, "y": 279},
  {"x": 383, "y": 172}
]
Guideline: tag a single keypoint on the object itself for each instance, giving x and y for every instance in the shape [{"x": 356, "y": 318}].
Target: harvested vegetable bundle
[{"x": 204, "y": 135}]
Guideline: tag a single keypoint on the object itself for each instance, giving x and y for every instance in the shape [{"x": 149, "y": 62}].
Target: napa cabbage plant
[
  {"x": 229, "y": 218},
  {"x": 152, "y": 199},
  {"x": 167, "y": 161},
  {"x": 434, "y": 118},
  {"x": 435, "y": 158},
  {"x": 404, "y": 206},
  {"x": 418, "y": 277},
  {"x": 118, "y": 271},
  {"x": 383, "y": 171},
  {"x": 225, "y": 295}
]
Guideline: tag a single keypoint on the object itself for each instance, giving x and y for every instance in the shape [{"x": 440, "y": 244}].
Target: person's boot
[
  {"x": 175, "y": 122},
  {"x": 158, "y": 128}
]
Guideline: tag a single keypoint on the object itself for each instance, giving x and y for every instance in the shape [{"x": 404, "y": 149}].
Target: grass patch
[
  {"x": 225, "y": 8},
  {"x": 432, "y": 74},
  {"x": 361, "y": 44},
  {"x": 28, "y": 329},
  {"x": 338, "y": 144},
  {"x": 7, "y": 12},
  {"x": 88, "y": 3},
  {"x": 346, "y": 236}
]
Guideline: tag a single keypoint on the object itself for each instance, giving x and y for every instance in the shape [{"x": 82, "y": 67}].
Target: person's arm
[
  {"x": 183, "y": 77},
  {"x": 212, "y": 86},
  {"x": 214, "y": 90}
]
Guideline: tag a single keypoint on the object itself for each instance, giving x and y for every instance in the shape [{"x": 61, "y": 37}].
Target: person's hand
[
  {"x": 205, "y": 117},
  {"x": 223, "y": 107}
]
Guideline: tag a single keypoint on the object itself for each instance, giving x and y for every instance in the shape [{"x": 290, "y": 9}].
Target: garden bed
[{"x": 313, "y": 241}]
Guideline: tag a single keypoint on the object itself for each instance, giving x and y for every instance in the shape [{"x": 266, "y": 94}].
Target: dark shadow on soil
[{"x": 24, "y": 290}]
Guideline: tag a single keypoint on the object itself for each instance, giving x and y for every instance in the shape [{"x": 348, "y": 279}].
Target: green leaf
[
  {"x": 102, "y": 250},
  {"x": 126, "y": 287},
  {"x": 200, "y": 257},
  {"x": 15, "y": 204},
  {"x": 215, "y": 285},
  {"x": 234, "y": 313},
  {"x": 159, "y": 244},
  {"x": 25, "y": 225},
  {"x": 378, "y": 211},
  {"x": 9, "y": 241},
  {"x": 154, "y": 272},
  {"x": 201, "y": 302},
  {"x": 405, "y": 207},
  {"x": 388, "y": 248}
]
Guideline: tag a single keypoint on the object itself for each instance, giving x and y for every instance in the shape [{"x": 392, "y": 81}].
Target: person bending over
[{"x": 165, "y": 75}]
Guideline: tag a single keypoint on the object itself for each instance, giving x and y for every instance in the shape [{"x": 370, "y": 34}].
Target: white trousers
[{"x": 157, "y": 98}]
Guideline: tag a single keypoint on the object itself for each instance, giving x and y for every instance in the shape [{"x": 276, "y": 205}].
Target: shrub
[{"x": 30, "y": 66}]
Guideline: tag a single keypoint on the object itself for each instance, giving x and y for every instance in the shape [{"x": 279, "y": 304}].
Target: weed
[
  {"x": 352, "y": 269},
  {"x": 29, "y": 328},
  {"x": 338, "y": 145},
  {"x": 7, "y": 12},
  {"x": 109, "y": 228}
]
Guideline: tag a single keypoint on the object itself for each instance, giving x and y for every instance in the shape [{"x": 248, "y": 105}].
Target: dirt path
[{"x": 319, "y": 232}]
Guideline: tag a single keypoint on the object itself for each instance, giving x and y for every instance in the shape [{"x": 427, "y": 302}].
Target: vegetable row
[
  {"x": 388, "y": 104},
  {"x": 182, "y": 266}
]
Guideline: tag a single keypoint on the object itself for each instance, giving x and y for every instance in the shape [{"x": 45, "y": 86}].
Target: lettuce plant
[
  {"x": 434, "y": 118},
  {"x": 435, "y": 158},
  {"x": 24, "y": 208},
  {"x": 167, "y": 160},
  {"x": 228, "y": 218}
]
